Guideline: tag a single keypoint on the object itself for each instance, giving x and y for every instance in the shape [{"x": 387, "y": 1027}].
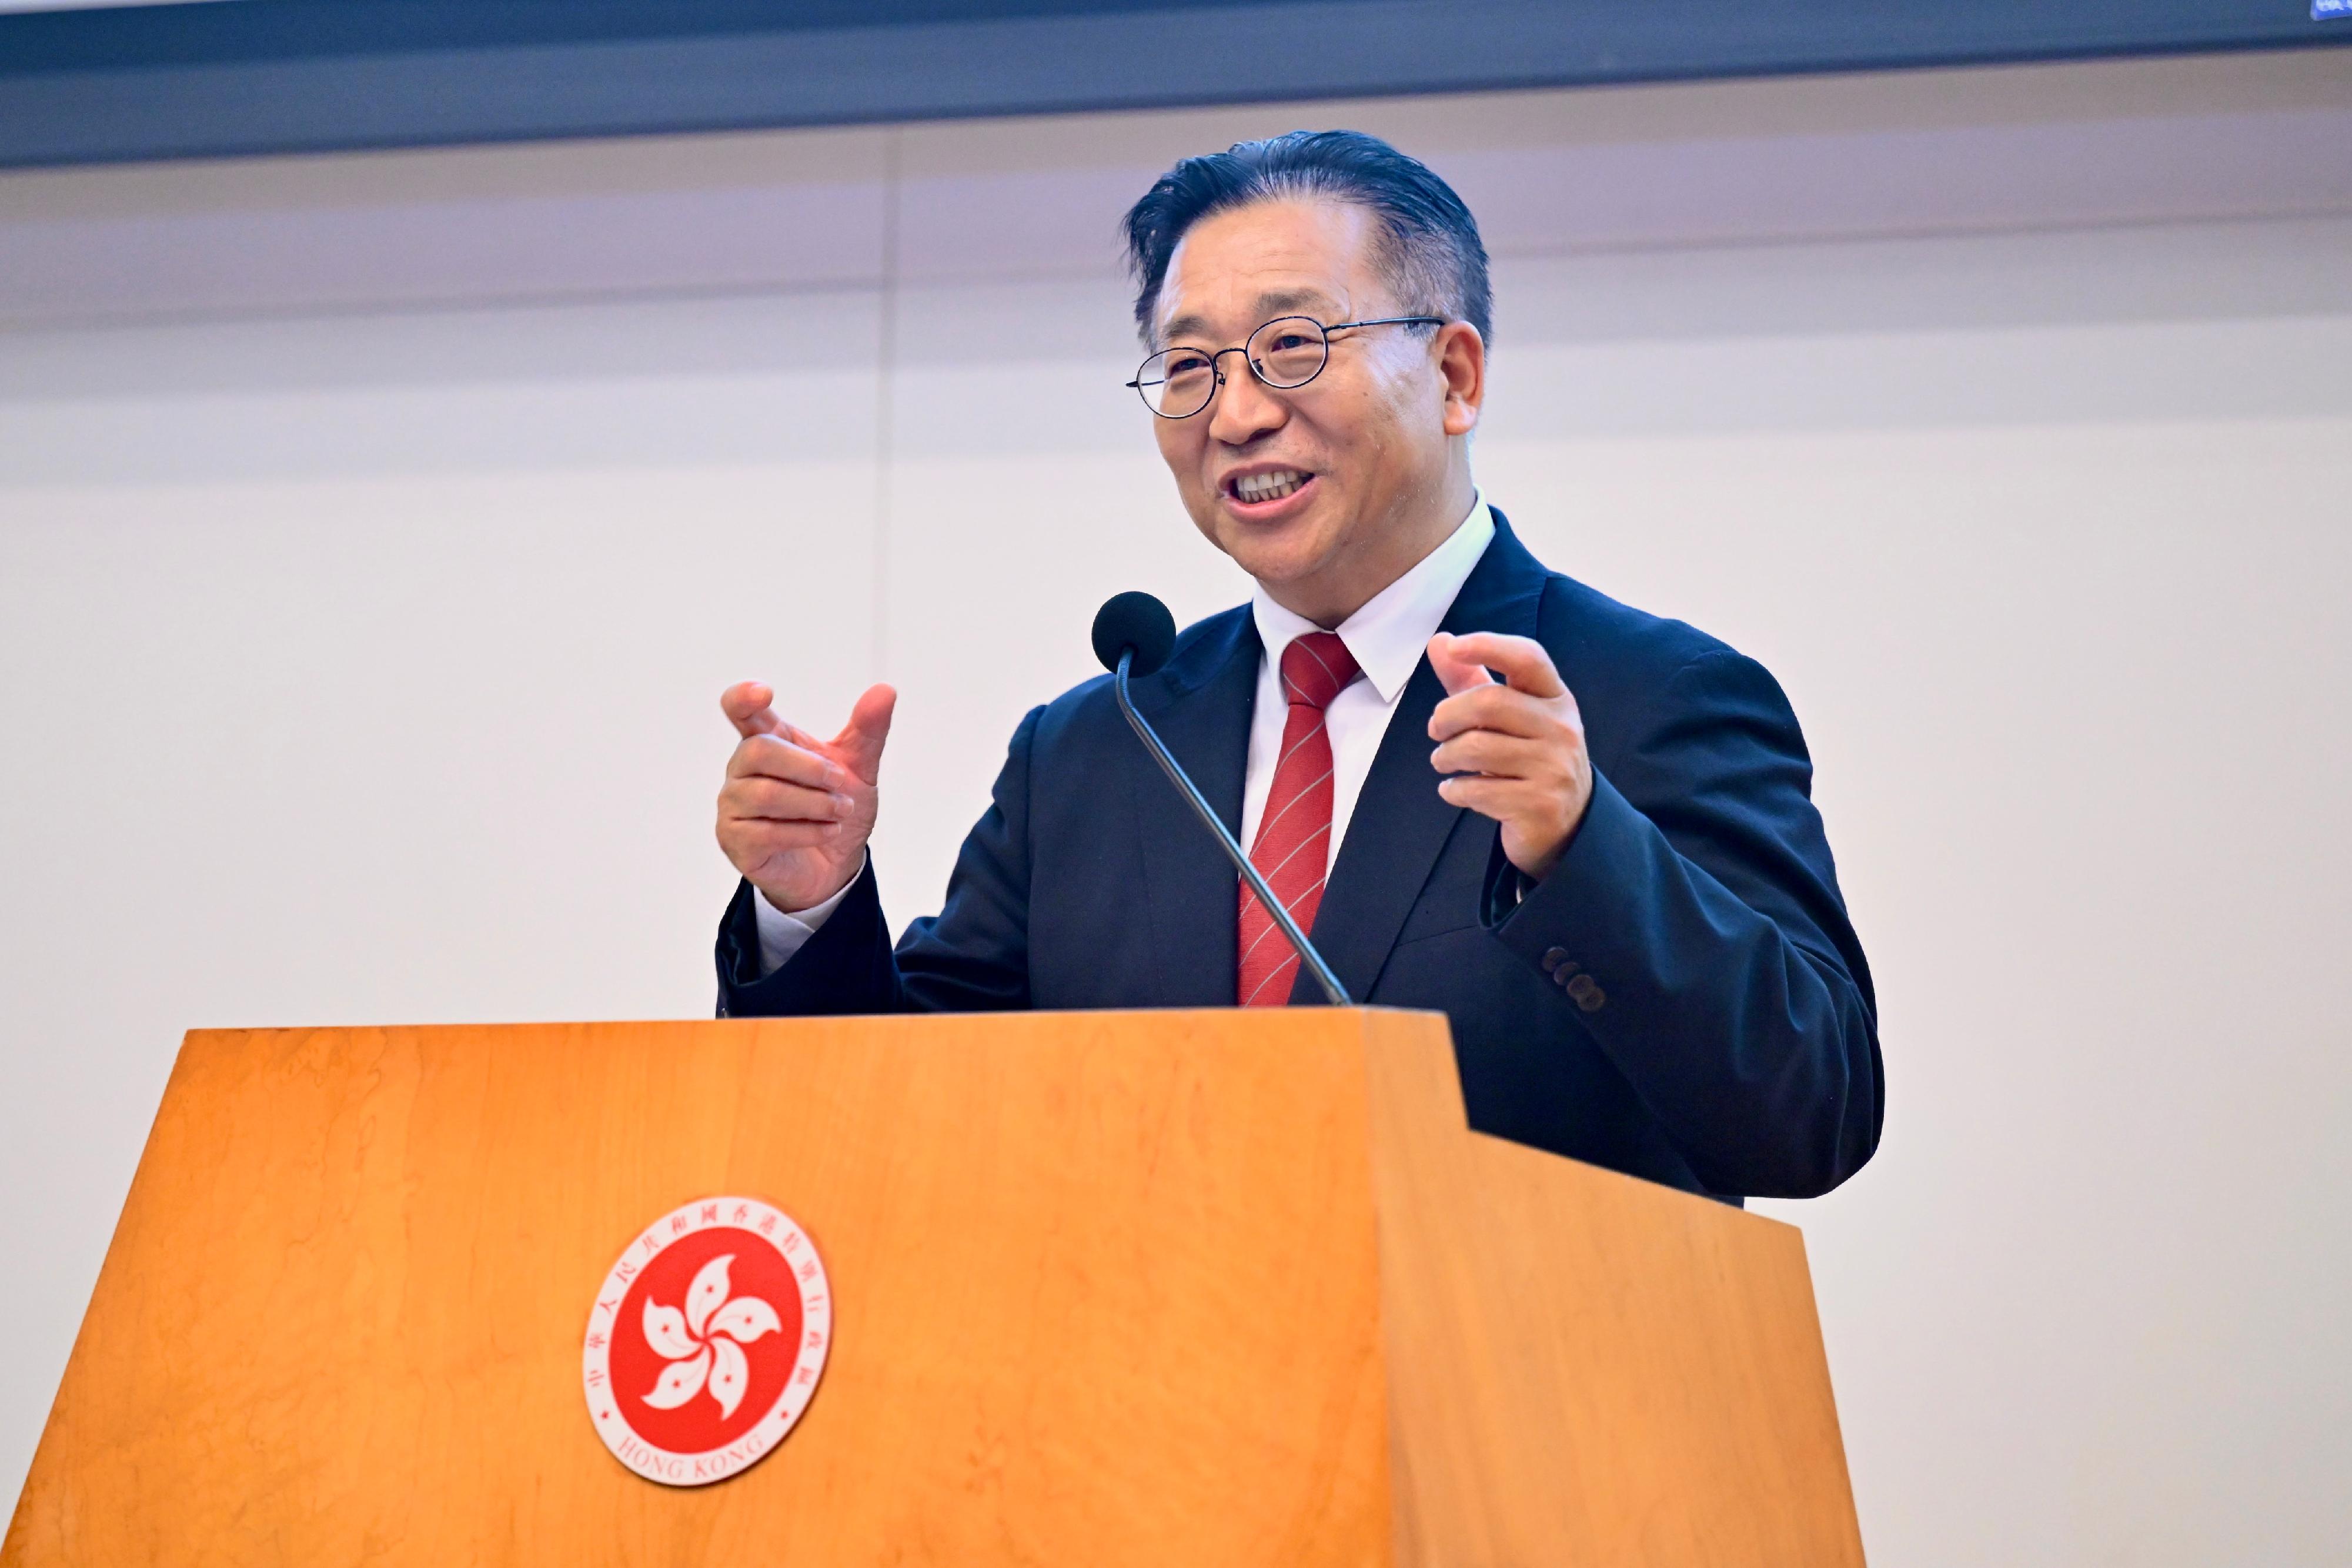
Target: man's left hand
[{"x": 1516, "y": 749}]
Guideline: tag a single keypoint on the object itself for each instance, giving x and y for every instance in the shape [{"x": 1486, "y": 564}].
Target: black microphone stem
[{"x": 1307, "y": 956}]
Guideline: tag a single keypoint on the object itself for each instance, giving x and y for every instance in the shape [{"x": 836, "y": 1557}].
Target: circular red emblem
[{"x": 707, "y": 1341}]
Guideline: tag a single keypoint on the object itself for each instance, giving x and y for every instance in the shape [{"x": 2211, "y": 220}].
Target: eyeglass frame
[{"x": 1217, "y": 369}]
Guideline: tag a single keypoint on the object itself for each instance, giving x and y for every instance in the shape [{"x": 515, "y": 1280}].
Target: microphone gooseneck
[{"x": 1134, "y": 632}]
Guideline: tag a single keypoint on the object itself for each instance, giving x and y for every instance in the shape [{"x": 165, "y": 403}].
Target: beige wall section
[{"x": 376, "y": 531}]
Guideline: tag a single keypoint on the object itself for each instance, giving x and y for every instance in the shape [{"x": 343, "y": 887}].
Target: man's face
[{"x": 1327, "y": 492}]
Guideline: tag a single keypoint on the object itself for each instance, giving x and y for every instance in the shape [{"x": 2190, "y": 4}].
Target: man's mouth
[{"x": 1275, "y": 485}]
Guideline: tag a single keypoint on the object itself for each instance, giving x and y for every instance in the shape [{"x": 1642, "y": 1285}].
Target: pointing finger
[
  {"x": 1522, "y": 661},
  {"x": 1455, "y": 672},
  {"x": 745, "y": 705}
]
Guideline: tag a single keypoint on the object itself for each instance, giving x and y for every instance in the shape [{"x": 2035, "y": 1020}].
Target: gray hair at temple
[{"x": 1429, "y": 246}]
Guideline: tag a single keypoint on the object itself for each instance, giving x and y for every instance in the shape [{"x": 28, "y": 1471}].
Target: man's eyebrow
[
  {"x": 1279, "y": 302},
  {"x": 1288, "y": 299},
  {"x": 1184, "y": 327}
]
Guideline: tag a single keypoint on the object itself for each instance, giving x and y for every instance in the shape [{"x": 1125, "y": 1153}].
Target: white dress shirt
[{"x": 1387, "y": 638}]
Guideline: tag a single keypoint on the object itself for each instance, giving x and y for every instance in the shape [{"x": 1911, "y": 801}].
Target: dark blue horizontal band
[{"x": 291, "y": 75}]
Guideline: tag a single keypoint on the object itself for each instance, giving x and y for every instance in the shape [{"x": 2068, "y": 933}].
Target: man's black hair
[{"x": 1428, "y": 243}]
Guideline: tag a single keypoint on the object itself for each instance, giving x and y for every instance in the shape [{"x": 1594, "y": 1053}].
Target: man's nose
[{"x": 1244, "y": 408}]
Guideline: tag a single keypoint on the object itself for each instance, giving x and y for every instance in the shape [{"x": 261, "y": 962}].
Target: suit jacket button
[
  {"x": 1554, "y": 957},
  {"x": 1589, "y": 996}
]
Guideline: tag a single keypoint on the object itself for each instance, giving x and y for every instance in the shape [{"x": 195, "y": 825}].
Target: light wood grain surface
[
  {"x": 1105, "y": 1292},
  {"x": 1584, "y": 1367},
  {"x": 1110, "y": 1288}
]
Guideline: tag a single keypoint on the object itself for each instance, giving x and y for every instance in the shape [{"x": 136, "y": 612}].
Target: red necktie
[{"x": 1294, "y": 837}]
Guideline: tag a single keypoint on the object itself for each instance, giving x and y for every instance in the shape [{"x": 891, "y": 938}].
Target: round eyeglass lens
[
  {"x": 1288, "y": 352},
  {"x": 1176, "y": 382}
]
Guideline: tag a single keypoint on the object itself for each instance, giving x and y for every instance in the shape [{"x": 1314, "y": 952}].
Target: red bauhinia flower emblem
[
  {"x": 703, "y": 1341},
  {"x": 724, "y": 1297}
]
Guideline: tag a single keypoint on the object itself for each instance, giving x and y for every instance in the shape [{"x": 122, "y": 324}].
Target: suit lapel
[
  {"x": 1200, "y": 705},
  {"x": 1401, "y": 824}
]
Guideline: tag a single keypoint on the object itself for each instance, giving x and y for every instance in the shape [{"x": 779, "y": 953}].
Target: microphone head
[{"x": 1134, "y": 621}]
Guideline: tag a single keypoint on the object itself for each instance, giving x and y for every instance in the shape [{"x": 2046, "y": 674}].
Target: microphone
[{"x": 1134, "y": 633}]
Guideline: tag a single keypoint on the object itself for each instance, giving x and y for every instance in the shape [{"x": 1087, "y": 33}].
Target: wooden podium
[{"x": 1209, "y": 1289}]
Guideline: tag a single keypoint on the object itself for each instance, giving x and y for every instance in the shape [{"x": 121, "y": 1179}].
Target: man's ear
[{"x": 1461, "y": 368}]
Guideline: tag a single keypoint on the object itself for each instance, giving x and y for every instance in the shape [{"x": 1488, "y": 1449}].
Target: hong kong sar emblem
[{"x": 707, "y": 1341}]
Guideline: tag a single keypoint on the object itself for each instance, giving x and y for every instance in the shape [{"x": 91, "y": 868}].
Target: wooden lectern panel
[
  {"x": 1583, "y": 1367},
  {"x": 1202, "y": 1288}
]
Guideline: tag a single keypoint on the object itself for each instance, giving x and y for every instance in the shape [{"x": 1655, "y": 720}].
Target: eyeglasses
[{"x": 1285, "y": 353}]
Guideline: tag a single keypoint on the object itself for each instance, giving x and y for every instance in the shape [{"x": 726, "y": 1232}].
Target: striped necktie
[{"x": 1292, "y": 848}]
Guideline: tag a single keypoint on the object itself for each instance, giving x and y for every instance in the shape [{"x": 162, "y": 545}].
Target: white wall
[{"x": 376, "y": 533}]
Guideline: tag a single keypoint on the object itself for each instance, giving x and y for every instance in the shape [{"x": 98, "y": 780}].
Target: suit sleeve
[
  {"x": 972, "y": 957},
  {"x": 1696, "y": 926}
]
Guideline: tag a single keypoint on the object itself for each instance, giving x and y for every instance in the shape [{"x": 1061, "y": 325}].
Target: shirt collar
[{"x": 1389, "y": 634}]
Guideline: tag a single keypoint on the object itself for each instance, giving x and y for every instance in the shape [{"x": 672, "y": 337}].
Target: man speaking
[{"x": 1583, "y": 833}]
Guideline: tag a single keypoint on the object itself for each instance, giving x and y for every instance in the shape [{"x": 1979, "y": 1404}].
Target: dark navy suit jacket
[{"x": 1681, "y": 999}]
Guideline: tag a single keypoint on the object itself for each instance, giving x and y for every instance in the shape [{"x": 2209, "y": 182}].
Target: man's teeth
[{"x": 1268, "y": 486}]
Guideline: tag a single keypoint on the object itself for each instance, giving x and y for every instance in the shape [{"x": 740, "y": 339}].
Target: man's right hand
[{"x": 796, "y": 812}]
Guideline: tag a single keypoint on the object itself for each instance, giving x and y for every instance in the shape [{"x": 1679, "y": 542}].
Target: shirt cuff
[{"x": 782, "y": 933}]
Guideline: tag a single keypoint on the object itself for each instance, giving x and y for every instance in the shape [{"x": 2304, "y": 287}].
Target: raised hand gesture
[
  {"x": 1514, "y": 748},
  {"x": 796, "y": 812}
]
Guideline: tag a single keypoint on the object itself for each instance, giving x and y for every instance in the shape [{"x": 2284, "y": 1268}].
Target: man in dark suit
[{"x": 1605, "y": 867}]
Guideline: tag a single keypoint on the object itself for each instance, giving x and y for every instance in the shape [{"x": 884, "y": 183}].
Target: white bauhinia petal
[
  {"x": 709, "y": 1289},
  {"x": 680, "y": 1381},
  {"x": 665, "y": 1332},
  {"x": 729, "y": 1376},
  {"x": 745, "y": 1318}
]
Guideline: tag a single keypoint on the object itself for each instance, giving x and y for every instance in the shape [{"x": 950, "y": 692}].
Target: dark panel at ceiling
[{"x": 285, "y": 76}]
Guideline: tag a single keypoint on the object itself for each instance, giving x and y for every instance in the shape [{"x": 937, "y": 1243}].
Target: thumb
[
  {"x": 860, "y": 742},
  {"x": 745, "y": 705},
  {"x": 1455, "y": 673}
]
